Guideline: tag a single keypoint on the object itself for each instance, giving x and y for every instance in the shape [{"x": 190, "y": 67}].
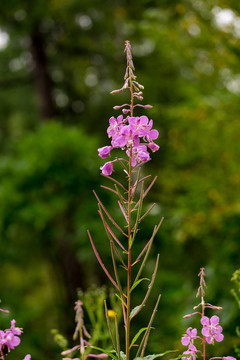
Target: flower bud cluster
[{"x": 127, "y": 135}]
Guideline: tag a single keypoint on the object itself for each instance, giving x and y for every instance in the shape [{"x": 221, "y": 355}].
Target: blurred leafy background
[{"x": 59, "y": 61}]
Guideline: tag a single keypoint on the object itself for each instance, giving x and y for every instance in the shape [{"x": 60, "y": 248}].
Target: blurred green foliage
[{"x": 186, "y": 54}]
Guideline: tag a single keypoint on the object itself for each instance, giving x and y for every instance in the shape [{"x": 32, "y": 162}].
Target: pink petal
[
  {"x": 205, "y": 331},
  {"x": 205, "y": 320},
  {"x": 209, "y": 339},
  {"x": 27, "y": 357},
  {"x": 153, "y": 134},
  {"x": 185, "y": 340},
  {"x": 219, "y": 337},
  {"x": 214, "y": 320},
  {"x": 194, "y": 333},
  {"x": 143, "y": 119}
]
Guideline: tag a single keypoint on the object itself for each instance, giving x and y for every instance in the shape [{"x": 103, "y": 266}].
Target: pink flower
[
  {"x": 28, "y": 357},
  {"x": 191, "y": 352},
  {"x": 8, "y": 337},
  {"x": 104, "y": 151},
  {"x": 154, "y": 147},
  {"x": 15, "y": 331},
  {"x": 126, "y": 137},
  {"x": 211, "y": 329},
  {"x": 107, "y": 168},
  {"x": 139, "y": 154},
  {"x": 127, "y": 133},
  {"x": 114, "y": 125},
  {"x": 189, "y": 337}
]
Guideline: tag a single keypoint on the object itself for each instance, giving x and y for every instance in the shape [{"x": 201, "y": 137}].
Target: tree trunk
[{"x": 42, "y": 77}]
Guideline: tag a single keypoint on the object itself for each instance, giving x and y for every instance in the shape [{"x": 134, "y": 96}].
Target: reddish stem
[{"x": 129, "y": 266}]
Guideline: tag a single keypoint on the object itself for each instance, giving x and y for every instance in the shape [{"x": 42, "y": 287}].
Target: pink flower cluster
[
  {"x": 9, "y": 338},
  {"x": 127, "y": 134},
  {"x": 211, "y": 329},
  {"x": 187, "y": 340}
]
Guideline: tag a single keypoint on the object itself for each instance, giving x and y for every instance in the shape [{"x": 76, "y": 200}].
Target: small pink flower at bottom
[
  {"x": 191, "y": 352},
  {"x": 107, "y": 168},
  {"x": 229, "y": 358},
  {"x": 190, "y": 335},
  {"x": 27, "y": 357},
  {"x": 211, "y": 329}
]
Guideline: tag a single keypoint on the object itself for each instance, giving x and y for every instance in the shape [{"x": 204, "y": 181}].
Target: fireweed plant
[
  {"x": 211, "y": 330},
  {"x": 135, "y": 136},
  {"x": 83, "y": 335},
  {"x": 9, "y": 339}
]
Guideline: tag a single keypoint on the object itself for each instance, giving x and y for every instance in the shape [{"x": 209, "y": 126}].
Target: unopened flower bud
[
  {"x": 147, "y": 106},
  {"x": 115, "y": 91}
]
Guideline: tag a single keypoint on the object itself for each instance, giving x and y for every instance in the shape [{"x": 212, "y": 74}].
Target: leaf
[
  {"x": 153, "y": 356},
  {"x": 134, "y": 310},
  {"x": 123, "y": 356},
  {"x": 143, "y": 344},
  {"x": 121, "y": 300},
  {"x": 100, "y": 261},
  {"x": 138, "y": 282},
  {"x": 149, "y": 289},
  {"x": 137, "y": 336},
  {"x": 130, "y": 241},
  {"x": 108, "y": 352}
]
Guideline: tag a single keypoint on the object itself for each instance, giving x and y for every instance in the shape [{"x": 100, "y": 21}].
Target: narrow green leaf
[
  {"x": 116, "y": 270},
  {"x": 143, "y": 344},
  {"x": 130, "y": 241},
  {"x": 138, "y": 282},
  {"x": 137, "y": 336},
  {"x": 153, "y": 356},
  {"x": 149, "y": 289},
  {"x": 121, "y": 300},
  {"x": 109, "y": 326},
  {"x": 108, "y": 352},
  {"x": 134, "y": 310},
  {"x": 117, "y": 336},
  {"x": 138, "y": 213},
  {"x": 147, "y": 249}
]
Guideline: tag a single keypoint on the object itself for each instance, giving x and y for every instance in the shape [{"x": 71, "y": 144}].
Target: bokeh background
[{"x": 59, "y": 60}]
